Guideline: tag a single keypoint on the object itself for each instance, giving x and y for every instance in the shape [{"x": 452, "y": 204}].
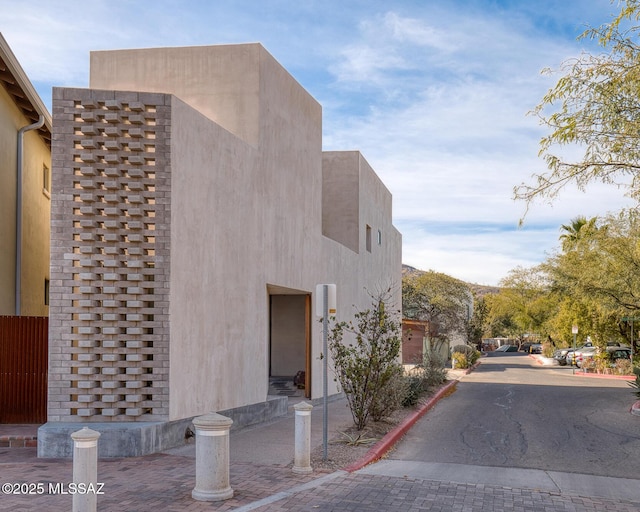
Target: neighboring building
[
  {"x": 420, "y": 337},
  {"x": 193, "y": 214},
  {"x": 415, "y": 335},
  {"x": 24, "y": 220}
]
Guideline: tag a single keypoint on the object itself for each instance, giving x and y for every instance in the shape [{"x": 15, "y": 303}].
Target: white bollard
[
  {"x": 302, "y": 457},
  {"x": 85, "y": 469},
  {"x": 212, "y": 458}
]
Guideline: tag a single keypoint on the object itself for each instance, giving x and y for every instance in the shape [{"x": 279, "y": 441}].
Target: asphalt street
[{"x": 513, "y": 413}]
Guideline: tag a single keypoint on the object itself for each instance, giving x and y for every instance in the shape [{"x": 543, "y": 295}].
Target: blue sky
[{"x": 434, "y": 93}]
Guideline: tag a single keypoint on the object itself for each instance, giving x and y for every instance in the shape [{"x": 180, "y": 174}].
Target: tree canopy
[
  {"x": 592, "y": 282},
  {"x": 594, "y": 106},
  {"x": 443, "y": 301},
  {"x": 523, "y": 305}
]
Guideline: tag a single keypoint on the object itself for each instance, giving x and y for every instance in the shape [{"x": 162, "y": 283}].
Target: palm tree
[{"x": 579, "y": 229}]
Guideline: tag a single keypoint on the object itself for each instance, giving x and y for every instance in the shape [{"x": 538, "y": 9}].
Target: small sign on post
[{"x": 331, "y": 300}]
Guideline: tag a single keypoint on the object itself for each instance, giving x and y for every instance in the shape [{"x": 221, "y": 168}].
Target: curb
[
  {"x": 580, "y": 373},
  {"x": 392, "y": 437},
  {"x": 635, "y": 408},
  {"x": 387, "y": 442},
  {"x": 544, "y": 361}
]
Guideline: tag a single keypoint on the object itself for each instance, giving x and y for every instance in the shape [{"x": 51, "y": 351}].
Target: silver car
[{"x": 584, "y": 354}]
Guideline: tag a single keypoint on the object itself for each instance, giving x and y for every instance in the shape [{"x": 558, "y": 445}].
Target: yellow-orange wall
[{"x": 35, "y": 213}]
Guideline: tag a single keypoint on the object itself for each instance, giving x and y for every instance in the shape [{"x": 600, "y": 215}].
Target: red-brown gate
[{"x": 23, "y": 369}]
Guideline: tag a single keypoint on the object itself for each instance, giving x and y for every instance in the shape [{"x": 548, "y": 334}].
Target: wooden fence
[{"x": 23, "y": 369}]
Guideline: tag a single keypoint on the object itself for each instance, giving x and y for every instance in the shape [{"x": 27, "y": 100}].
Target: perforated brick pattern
[{"x": 109, "y": 357}]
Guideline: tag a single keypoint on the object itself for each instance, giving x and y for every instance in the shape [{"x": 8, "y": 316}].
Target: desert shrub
[
  {"x": 460, "y": 360},
  {"x": 368, "y": 368},
  {"x": 547, "y": 349},
  {"x": 432, "y": 370},
  {"x": 465, "y": 356},
  {"x": 623, "y": 367},
  {"x": 413, "y": 390},
  {"x": 465, "y": 349},
  {"x": 589, "y": 365},
  {"x": 390, "y": 396},
  {"x": 429, "y": 373}
]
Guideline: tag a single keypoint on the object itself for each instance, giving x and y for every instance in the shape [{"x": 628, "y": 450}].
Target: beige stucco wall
[
  {"x": 35, "y": 212},
  {"x": 256, "y": 213},
  {"x": 340, "y": 198},
  {"x": 368, "y": 273},
  {"x": 203, "y": 76},
  {"x": 213, "y": 294}
]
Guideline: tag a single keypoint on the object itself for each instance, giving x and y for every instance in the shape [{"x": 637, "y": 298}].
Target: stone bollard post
[
  {"x": 212, "y": 458},
  {"x": 85, "y": 469},
  {"x": 302, "y": 457}
]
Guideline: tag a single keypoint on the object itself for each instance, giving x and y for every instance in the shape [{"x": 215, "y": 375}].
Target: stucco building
[
  {"x": 193, "y": 214},
  {"x": 25, "y": 183}
]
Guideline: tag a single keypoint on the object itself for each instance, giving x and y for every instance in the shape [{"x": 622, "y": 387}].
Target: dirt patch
[{"x": 350, "y": 445}]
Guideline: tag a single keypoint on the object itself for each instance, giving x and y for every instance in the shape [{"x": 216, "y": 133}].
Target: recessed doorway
[{"x": 289, "y": 342}]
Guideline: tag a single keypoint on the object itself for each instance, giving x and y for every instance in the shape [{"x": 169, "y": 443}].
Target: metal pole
[
  {"x": 632, "y": 340},
  {"x": 574, "y": 352},
  {"x": 325, "y": 360}
]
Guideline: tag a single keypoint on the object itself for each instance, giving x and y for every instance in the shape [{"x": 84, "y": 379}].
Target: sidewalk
[{"x": 261, "y": 458}]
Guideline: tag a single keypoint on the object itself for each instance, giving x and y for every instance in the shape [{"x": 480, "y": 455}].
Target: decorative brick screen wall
[{"x": 109, "y": 312}]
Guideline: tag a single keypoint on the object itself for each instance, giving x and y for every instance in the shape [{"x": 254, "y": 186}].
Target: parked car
[
  {"x": 506, "y": 348},
  {"x": 584, "y": 354},
  {"x": 536, "y": 348},
  {"x": 570, "y": 356},
  {"x": 560, "y": 355},
  {"x": 609, "y": 344},
  {"x": 614, "y": 353},
  {"x": 525, "y": 347}
]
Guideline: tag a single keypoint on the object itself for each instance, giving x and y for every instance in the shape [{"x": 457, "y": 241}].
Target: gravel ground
[{"x": 341, "y": 451}]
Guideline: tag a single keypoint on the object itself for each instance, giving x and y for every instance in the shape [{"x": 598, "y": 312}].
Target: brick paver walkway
[
  {"x": 164, "y": 482},
  {"x": 155, "y": 482},
  {"x": 369, "y": 493}
]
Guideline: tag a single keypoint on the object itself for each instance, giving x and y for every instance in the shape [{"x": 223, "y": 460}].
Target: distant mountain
[{"x": 478, "y": 290}]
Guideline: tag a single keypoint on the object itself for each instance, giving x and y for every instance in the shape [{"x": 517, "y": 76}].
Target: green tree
[
  {"x": 571, "y": 311},
  {"x": 602, "y": 270},
  {"x": 594, "y": 106},
  {"x": 579, "y": 228},
  {"x": 478, "y": 320},
  {"x": 441, "y": 300},
  {"x": 498, "y": 321},
  {"x": 524, "y": 304}
]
